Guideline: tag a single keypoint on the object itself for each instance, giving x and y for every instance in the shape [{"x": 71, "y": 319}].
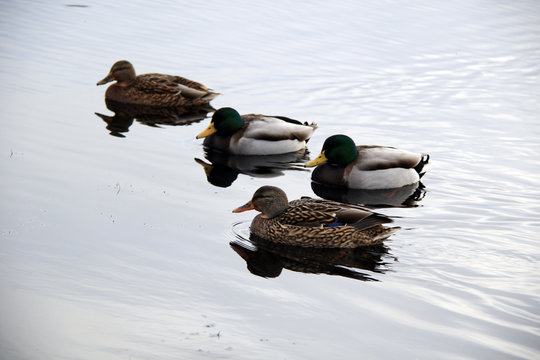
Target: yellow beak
[
  {"x": 321, "y": 159},
  {"x": 245, "y": 207},
  {"x": 211, "y": 129}
]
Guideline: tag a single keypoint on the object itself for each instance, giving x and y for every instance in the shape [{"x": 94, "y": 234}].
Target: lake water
[{"x": 118, "y": 247}]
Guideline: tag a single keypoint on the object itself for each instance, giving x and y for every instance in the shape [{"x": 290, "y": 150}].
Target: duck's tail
[
  {"x": 210, "y": 96},
  {"x": 420, "y": 166},
  {"x": 385, "y": 233},
  {"x": 372, "y": 236}
]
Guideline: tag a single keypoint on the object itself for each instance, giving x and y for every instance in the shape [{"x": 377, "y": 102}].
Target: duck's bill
[
  {"x": 105, "y": 80},
  {"x": 211, "y": 129},
  {"x": 245, "y": 207},
  {"x": 321, "y": 159}
]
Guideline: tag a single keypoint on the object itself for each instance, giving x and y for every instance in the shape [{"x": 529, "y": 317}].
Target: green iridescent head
[
  {"x": 338, "y": 150},
  {"x": 225, "y": 121}
]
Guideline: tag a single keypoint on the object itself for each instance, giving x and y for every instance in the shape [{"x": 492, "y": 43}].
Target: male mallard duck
[
  {"x": 153, "y": 89},
  {"x": 343, "y": 164},
  {"x": 314, "y": 223},
  {"x": 255, "y": 134}
]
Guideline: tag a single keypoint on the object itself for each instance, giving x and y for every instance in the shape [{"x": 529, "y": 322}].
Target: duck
[
  {"x": 315, "y": 223},
  {"x": 343, "y": 164},
  {"x": 255, "y": 134},
  {"x": 153, "y": 89}
]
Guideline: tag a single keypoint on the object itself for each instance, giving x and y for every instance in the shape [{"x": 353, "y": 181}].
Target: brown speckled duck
[
  {"x": 154, "y": 89},
  {"x": 314, "y": 223}
]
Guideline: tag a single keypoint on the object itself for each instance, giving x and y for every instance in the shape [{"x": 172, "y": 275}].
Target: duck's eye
[
  {"x": 121, "y": 69},
  {"x": 258, "y": 197}
]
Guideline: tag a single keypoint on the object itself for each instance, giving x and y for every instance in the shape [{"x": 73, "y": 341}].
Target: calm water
[{"x": 118, "y": 247}]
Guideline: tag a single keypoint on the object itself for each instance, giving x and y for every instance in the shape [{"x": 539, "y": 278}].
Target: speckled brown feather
[
  {"x": 154, "y": 89},
  {"x": 176, "y": 80},
  {"x": 305, "y": 223},
  {"x": 343, "y": 236}
]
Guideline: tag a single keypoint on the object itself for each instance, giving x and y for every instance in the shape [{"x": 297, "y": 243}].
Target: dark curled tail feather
[{"x": 420, "y": 166}]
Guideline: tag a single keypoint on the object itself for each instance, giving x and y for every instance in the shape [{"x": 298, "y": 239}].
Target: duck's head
[
  {"x": 225, "y": 121},
  {"x": 122, "y": 71},
  {"x": 269, "y": 200},
  {"x": 338, "y": 150}
]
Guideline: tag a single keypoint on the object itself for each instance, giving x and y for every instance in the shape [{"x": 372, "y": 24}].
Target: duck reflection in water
[
  {"x": 125, "y": 114},
  {"x": 267, "y": 259},
  {"x": 405, "y": 196},
  {"x": 223, "y": 168}
]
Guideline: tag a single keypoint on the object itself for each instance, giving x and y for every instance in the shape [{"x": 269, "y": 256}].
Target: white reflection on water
[{"x": 118, "y": 248}]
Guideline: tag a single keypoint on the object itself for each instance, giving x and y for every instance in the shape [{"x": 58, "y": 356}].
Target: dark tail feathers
[{"x": 420, "y": 166}]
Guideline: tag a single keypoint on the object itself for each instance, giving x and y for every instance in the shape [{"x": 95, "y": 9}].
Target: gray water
[{"x": 118, "y": 247}]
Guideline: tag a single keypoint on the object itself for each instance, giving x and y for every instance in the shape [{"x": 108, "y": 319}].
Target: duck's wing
[
  {"x": 318, "y": 212},
  {"x": 187, "y": 82},
  {"x": 302, "y": 214},
  {"x": 172, "y": 85},
  {"x": 263, "y": 127},
  {"x": 327, "y": 237},
  {"x": 373, "y": 157},
  {"x": 193, "y": 89}
]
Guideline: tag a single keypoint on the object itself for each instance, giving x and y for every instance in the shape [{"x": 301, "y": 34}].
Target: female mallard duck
[
  {"x": 153, "y": 89},
  {"x": 314, "y": 223},
  {"x": 343, "y": 164},
  {"x": 255, "y": 134}
]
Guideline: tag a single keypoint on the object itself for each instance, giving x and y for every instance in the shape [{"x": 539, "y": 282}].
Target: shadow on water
[
  {"x": 125, "y": 114},
  {"x": 267, "y": 259},
  {"x": 222, "y": 169},
  {"x": 406, "y": 196}
]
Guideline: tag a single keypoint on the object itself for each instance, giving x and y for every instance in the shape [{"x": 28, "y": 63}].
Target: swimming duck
[
  {"x": 153, "y": 89},
  {"x": 313, "y": 222},
  {"x": 255, "y": 134},
  {"x": 343, "y": 164}
]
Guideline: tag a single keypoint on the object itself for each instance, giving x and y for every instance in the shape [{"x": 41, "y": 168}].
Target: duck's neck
[
  {"x": 348, "y": 156},
  {"x": 274, "y": 208}
]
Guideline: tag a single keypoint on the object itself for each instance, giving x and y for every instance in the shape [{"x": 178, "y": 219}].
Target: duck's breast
[
  {"x": 330, "y": 175},
  {"x": 250, "y": 146}
]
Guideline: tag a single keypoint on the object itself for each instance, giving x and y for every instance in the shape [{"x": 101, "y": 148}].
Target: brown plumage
[
  {"x": 313, "y": 222},
  {"x": 153, "y": 89}
]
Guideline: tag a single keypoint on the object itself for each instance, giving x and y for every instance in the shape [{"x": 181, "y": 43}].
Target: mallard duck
[
  {"x": 313, "y": 222},
  {"x": 343, "y": 164},
  {"x": 255, "y": 134},
  {"x": 153, "y": 89}
]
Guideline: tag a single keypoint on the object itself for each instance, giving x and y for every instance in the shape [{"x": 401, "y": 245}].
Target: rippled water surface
[{"x": 116, "y": 245}]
